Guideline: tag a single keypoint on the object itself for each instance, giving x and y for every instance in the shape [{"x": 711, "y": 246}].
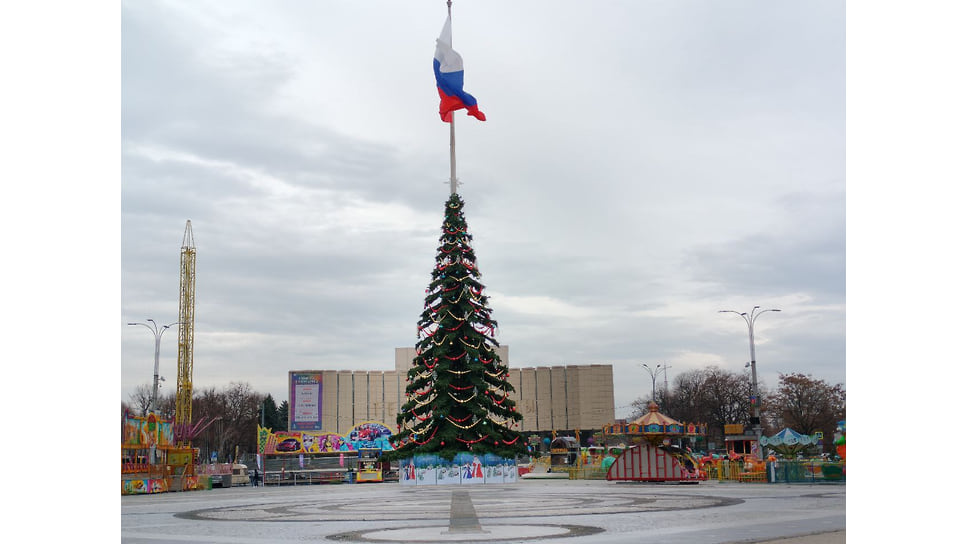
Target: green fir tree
[
  {"x": 269, "y": 416},
  {"x": 458, "y": 396}
]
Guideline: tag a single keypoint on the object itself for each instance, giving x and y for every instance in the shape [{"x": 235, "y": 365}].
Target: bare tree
[
  {"x": 710, "y": 395},
  {"x": 243, "y": 412},
  {"x": 640, "y": 407},
  {"x": 687, "y": 401},
  {"x": 727, "y": 396},
  {"x": 140, "y": 400},
  {"x": 807, "y": 405},
  {"x": 211, "y": 406},
  {"x": 166, "y": 406},
  {"x": 228, "y": 416}
]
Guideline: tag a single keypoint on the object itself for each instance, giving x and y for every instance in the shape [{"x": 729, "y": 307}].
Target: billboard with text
[{"x": 305, "y": 401}]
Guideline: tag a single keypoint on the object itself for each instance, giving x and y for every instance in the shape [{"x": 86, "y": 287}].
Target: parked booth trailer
[{"x": 369, "y": 465}]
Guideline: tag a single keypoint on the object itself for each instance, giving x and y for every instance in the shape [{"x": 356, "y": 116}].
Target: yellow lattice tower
[{"x": 186, "y": 333}]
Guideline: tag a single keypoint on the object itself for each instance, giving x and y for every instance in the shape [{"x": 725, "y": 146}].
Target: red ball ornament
[
  {"x": 441, "y": 442},
  {"x": 495, "y": 442}
]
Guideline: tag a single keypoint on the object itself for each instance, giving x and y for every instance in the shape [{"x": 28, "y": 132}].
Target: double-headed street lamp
[
  {"x": 654, "y": 372},
  {"x": 157, "y": 332},
  {"x": 750, "y": 319}
]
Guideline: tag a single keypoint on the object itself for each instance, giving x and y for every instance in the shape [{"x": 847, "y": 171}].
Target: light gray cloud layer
[{"x": 643, "y": 166}]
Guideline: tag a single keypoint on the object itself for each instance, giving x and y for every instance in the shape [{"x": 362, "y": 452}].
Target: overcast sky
[{"x": 644, "y": 164}]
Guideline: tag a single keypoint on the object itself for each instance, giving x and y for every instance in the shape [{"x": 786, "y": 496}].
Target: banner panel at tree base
[{"x": 464, "y": 469}]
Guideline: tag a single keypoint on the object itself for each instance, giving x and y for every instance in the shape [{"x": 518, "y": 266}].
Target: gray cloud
[
  {"x": 638, "y": 171},
  {"x": 806, "y": 252}
]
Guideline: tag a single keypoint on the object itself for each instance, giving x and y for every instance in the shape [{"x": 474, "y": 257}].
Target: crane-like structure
[{"x": 186, "y": 336}]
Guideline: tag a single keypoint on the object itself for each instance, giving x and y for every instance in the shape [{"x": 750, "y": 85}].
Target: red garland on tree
[{"x": 457, "y": 373}]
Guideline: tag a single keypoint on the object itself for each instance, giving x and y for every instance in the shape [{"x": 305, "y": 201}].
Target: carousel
[
  {"x": 656, "y": 454},
  {"x": 788, "y": 442}
]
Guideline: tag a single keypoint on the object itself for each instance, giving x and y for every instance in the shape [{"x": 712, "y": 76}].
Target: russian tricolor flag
[{"x": 449, "y": 71}]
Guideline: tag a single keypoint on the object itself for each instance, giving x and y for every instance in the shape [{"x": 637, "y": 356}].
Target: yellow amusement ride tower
[
  {"x": 186, "y": 337},
  {"x": 183, "y": 459}
]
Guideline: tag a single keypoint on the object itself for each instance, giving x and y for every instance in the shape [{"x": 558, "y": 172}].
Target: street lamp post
[
  {"x": 654, "y": 373},
  {"x": 750, "y": 319},
  {"x": 158, "y": 332}
]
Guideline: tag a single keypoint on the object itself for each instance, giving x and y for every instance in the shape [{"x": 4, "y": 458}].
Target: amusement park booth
[
  {"x": 564, "y": 451},
  {"x": 369, "y": 466},
  {"x": 151, "y": 462},
  {"x": 653, "y": 457},
  {"x": 296, "y": 457},
  {"x": 738, "y": 443}
]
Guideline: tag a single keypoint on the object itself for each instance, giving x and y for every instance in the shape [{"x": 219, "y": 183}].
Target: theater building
[{"x": 550, "y": 398}]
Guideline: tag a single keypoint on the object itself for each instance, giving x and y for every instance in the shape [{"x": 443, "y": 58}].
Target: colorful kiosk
[
  {"x": 294, "y": 457},
  {"x": 739, "y": 442},
  {"x": 150, "y": 460},
  {"x": 369, "y": 466},
  {"x": 565, "y": 451},
  {"x": 653, "y": 457}
]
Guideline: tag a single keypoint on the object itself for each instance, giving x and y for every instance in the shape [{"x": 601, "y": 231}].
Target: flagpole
[
  {"x": 453, "y": 159},
  {"x": 453, "y": 139}
]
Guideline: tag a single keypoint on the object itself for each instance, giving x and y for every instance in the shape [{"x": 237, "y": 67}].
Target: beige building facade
[{"x": 549, "y": 398}]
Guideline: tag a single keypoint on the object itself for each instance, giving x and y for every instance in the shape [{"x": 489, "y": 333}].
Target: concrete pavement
[
  {"x": 835, "y": 537},
  {"x": 544, "y": 511}
]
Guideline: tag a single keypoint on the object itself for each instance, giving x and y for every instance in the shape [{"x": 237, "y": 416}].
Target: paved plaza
[{"x": 548, "y": 511}]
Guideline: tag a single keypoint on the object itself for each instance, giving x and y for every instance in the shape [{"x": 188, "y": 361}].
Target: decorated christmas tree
[{"x": 458, "y": 396}]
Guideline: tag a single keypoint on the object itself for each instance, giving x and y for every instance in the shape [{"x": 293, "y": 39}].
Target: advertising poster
[
  {"x": 146, "y": 431},
  {"x": 305, "y": 401},
  {"x": 143, "y": 487},
  {"x": 370, "y": 434}
]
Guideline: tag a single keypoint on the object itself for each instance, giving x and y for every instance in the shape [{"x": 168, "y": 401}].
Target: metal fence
[
  {"x": 807, "y": 472},
  {"x": 783, "y": 471},
  {"x": 292, "y": 469},
  {"x": 737, "y": 471},
  {"x": 587, "y": 473}
]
